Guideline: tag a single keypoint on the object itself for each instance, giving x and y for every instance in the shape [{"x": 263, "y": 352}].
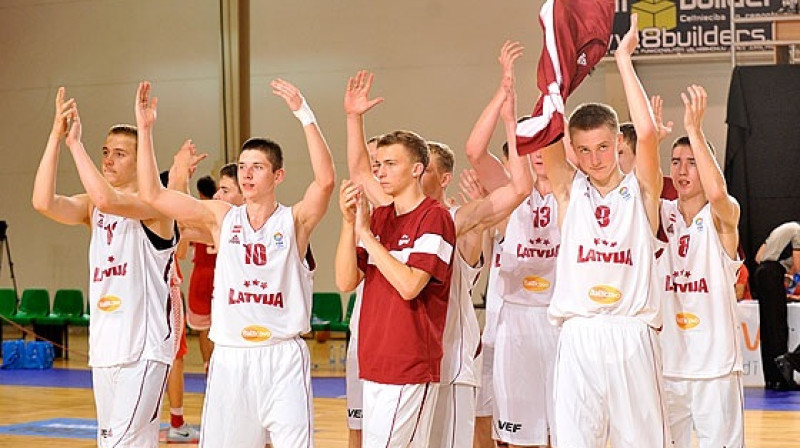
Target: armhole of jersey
[{"x": 158, "y": 242}]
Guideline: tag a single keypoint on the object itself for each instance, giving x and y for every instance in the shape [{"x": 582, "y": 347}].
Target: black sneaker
[{"x": 786, "y": 369}]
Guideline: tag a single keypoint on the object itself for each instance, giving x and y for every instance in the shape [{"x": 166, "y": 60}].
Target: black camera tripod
[{"x": 4, "y": 244}]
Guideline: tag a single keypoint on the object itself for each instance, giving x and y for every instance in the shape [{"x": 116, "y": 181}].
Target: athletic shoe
[{"x": 183, "y": 434}]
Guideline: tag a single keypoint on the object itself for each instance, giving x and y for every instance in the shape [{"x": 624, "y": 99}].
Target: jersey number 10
[{"x": 255, "y": 253}]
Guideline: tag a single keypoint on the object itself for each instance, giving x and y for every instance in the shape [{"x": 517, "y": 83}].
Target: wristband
[{"x": 305, "y": 114}]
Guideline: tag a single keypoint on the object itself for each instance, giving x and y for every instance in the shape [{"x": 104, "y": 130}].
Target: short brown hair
[
  {"x": 124, "y": 129},
  {"x": 415, "y": 145},
  {"x": 447, "y": 159},
  {"x": 270, "y": 149},
  {"x": 684, "y": 141},
  {"x": 629, "y": 135},
  {"x": 590, "y": 116}
]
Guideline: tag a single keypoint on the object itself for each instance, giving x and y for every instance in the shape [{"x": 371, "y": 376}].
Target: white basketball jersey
[
  {"x": 462, "y": 334},
  {"x": 701, "y": 328},
  {"x": 129, "y": 293},
  {"x": 606, "y": 263},
  {"x": 493, "y": 299},
  {"x": 528, "y": 261},
  {"x": 262, "y": 288}
]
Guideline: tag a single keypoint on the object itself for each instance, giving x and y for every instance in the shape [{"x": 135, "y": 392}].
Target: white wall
[{"x": 435, "y": 63}]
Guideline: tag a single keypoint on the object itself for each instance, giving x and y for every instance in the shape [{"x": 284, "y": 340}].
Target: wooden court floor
[{"x": 763, "y": 429}]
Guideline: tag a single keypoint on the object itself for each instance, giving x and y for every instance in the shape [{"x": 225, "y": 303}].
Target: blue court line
[
  {"x": 62, "y": 428},
  {"x": 323, "y": 387}
]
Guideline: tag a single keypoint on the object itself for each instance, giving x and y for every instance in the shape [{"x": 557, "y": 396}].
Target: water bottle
[
  {"x": 343, "y": 356},
  {"x": 331, "y": 357}
]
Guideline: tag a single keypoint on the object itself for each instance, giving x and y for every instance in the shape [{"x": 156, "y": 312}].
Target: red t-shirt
[
  {"x": 668, "y": 190},
  {"x": 203, "y": 259},
  {"x": 400, "y": 341}
]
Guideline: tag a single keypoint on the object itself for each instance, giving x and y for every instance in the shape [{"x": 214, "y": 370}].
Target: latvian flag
[{"x": 576, "y": 36}]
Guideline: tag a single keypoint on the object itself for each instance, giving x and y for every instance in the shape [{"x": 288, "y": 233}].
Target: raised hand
[
  {"x": 145, "y": 107},
  {"x": 348, "y": 196},
  {"x": 657, "y": 103},
  {"x": 188, "y": 157},
  {"x": 75, "y": 129},
  {"x": 630, "y": 41},
  {"x": 509, "y": 53},
  {"x": 64, "y": 112},
  {"x": 291, "y": 94},
  {"x": 694, "y": 107},
  {"x": 471, "y": 188},
  {"x": 356, "y": 98}
]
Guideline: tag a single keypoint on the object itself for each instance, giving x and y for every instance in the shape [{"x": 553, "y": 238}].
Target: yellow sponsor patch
[
  {"x": 535, "y": 284},
  {"x": 687, "y": 321},
  {"x": 604, "y": 294},
  {"x": 109, "y": 303},
  {"x": 255, "y": 333}
]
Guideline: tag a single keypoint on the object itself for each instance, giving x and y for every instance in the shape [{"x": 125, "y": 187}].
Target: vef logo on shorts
[
  {"x": 604, "y": 294},
  {"x": 533, "y": 283},
  {"x": 687, "y": 321},
  {"x": 255, "y": 333},
  {"x": 109, "y": 304}
]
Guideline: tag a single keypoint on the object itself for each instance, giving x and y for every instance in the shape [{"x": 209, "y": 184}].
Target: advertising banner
[{"x": 693, "y": 26}]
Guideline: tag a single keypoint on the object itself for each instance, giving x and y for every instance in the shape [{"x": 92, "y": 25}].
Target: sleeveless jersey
[
  {"x": 701, "y": 328},
  {"x": 129, "y": 293},
  {"x": 528, "y": 261},
  {"x": 462, "y": 334},
  {"x": 493, "y": 299},
  {"x": 262, "y": 288},
  {"x": 606, "y": 263}
]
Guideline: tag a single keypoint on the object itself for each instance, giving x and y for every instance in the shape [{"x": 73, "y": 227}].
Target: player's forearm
[
  {"x": 44, "y": 185},
  {"x": 358, "y": 163},
  {"x": 346, "y": 264},
  {"x": 146, "y": 169},
  {"x": 321, "y": 159},
  {"x": 711, "y": 177},
  {"x": 490, "y": 171},
  {"x": 102, "y": 194},
  {"x": 403, "y": 278},
  {"x": 638, "y": 103}
]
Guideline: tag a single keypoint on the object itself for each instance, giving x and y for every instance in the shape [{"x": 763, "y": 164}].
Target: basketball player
[
  {"x": 355, "y": 387},
  {"x": 131, "y": 339},
  {"x": 607, "y": 376},
  {"x": 262, "y": 285},
  {"x": 525, "y": 346},
  {"x": 459, "y": 372},
  {"x": 700, "y": 337},
  {"x": 201, "y": 282}
]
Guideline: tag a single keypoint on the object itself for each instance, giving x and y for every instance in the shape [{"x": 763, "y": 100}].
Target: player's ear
[{"x": 417, "y": 170}]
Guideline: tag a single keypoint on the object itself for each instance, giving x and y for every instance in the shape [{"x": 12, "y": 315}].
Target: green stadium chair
[
  {"x": 344, "y": 324},
  {"x": 35, "y": 303},
  {"x": 83, "y": 319},
  {"x": 8, "y": 303},
  {"x": 67, "y": 304},
  {"x": 326, "y": 308}
]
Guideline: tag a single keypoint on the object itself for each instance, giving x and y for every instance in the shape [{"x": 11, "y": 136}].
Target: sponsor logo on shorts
[
  {"x": 109, "y": 304},
  {"x": 255, "y": 333},
  {"x": 508, "y": 426},
  {"x": 604, "y": 294},
  {"x": 687, "y": 321},
  {"x": 535, "y": 284},
  {"x": 354, "y": 413}
]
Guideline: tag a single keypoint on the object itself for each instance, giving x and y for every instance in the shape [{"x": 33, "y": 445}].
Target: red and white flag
[{"x": 576, "y": 37}]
